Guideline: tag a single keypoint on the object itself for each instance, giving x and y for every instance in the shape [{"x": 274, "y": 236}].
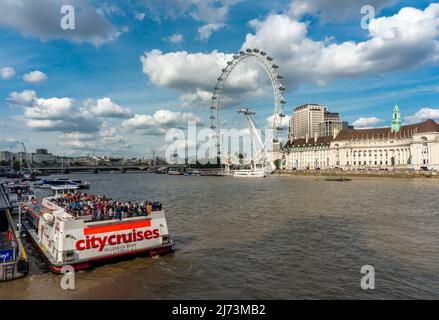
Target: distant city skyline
[{"x": 130, "y": 71}]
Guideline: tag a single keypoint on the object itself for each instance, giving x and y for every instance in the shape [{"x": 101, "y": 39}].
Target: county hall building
[{"x": 414, "y": 146}]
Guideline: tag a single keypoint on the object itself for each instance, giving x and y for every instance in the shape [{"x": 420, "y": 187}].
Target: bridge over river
[{"x": 97, "y": 169}]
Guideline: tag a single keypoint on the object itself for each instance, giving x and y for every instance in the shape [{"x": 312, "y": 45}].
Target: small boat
[
  {"x": 192, "y": 173},
  {"x": 174, "y": 173},
  {"x": 49, "y": 183},
  {"x": 250, "y": 173}
]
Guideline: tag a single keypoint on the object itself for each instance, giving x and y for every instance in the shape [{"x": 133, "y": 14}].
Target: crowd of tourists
[{"x": 102, "y": 208}]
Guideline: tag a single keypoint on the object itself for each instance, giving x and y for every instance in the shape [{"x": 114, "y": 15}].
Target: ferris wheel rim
[{"x": 272, "y": 70}]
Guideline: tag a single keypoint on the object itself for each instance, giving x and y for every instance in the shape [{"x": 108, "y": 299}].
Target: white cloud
[
  {"x": 284, "y": 122},
  {"x": 24, "y": 98},
  {"x": 422, "y": 115},
  {"x": 106, "y": 108},
  {"x": 160, "y": 122},
  {"x": 139, "y": 16},
  {"x": 7, "y": 73},
  {"x": 206, "y": 31},
  {"x": 403, "y": 41},
  {"x": 175, "y": 38},
  {"x": 54, "y": 114},
  {"x": 366, "y": 122},
  {"x": 176, "y": 70},
  {"x": 41, "y": 18},
  {"x": 35, "y": 77},
  {"x": 106, "y": 140},
  {"x": 50, "y": 109}
]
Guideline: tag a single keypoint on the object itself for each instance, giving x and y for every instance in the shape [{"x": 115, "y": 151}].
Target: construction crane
[{"x": 28, "y": 163}]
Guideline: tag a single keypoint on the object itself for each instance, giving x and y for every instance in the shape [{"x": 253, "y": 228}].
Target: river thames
[{"x": 274, "y": 238}]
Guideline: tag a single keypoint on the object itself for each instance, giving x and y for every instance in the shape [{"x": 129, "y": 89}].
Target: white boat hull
[{"x": 249, "y": 174}]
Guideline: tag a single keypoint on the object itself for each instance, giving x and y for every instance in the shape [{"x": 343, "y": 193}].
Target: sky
[{"x": 127, "y": 72}]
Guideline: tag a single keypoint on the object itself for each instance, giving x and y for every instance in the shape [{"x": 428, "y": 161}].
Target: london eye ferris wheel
[{"x": 266, "y": 62}]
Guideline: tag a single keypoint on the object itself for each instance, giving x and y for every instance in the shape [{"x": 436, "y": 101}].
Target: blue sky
[{"x": 117, "y": 103}]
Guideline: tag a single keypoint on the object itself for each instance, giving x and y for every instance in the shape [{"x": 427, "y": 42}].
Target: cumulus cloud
[
  {"x": 336, "y": 10},
  {"x": 422, "y": 115},
  {"x": 204, "y": 32},
  {"x": 284, "y": 122},
  {"x": 366, "y": 122},
  {"x": 160, "y": 122},
  {"x": 175, "y": 38},
  {"x": 176, "y": 70},
  {"x": 405, "y": 40},
  {"x": 24, "y": 98},
  {"x": 7, "y": 73},
  {"x": 49, "y": 109},
  {"x": 411, "y": 33},
  {"x": 41, "y": 19},
  {"x": 105, "y": 140},
  {"x": 35, "y": 77},
  {"x": 63, "y": 114},
  {"x": 106, "y": 108}
]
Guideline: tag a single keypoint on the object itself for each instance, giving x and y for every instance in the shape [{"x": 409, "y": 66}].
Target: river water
[{"x": 274, "y": 238}]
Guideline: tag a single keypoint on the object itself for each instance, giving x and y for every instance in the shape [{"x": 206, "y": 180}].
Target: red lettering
[
  {"x": 87, "y": 240},
  {"x": 102, "y": 242},
  {"x": 115, "y": 239},
  {"x": 111, "y": 241},
  {"x": 94, "y": 245},
  {"x": 148, "y": 235},
  {"x": 134, "y": 235},
  {"x": 80, "y": 245}
]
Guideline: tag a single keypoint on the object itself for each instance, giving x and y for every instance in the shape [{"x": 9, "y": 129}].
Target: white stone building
[{"x": 400, "y": 147}]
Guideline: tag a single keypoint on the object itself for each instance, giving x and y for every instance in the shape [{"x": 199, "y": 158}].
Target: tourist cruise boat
[{"x": 80, "y": 241}]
